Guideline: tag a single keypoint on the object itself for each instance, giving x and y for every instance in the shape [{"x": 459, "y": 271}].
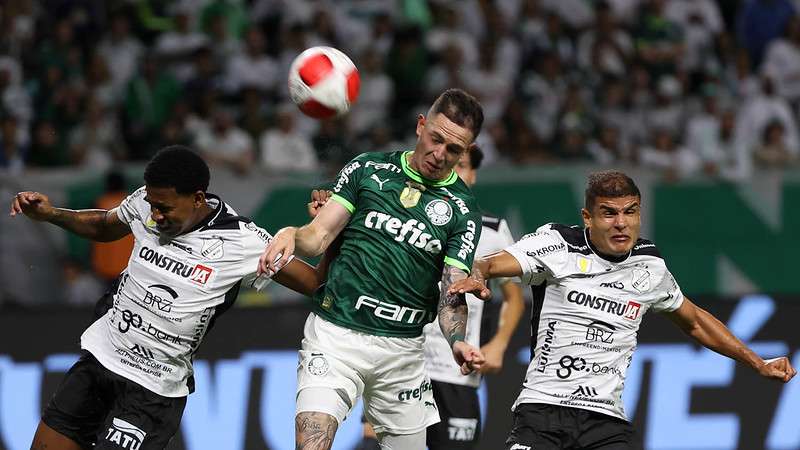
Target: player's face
[
  {"x": 465, "y": 171},
  {"x": 614, "y": 224},
  {"x": 440, "y": 144},
  {"x": 173, "y": 213}
]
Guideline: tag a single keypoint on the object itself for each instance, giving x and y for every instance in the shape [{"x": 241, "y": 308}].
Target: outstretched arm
[
  {"x": 500, "y": 264},
  {"x": 453, "y": 321},
  {"x": 311, "y": 239},
  {"x": 95, "y": 224},
  {"x": 713, "y": 334}
]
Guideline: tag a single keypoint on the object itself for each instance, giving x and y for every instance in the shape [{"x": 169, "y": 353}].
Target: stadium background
[{"x": 697, "y": 99}]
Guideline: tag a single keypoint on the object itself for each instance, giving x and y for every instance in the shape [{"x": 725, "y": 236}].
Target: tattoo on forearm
[
  {"x": 314, "y": 431},
  {"x": 452, "y": 308}
]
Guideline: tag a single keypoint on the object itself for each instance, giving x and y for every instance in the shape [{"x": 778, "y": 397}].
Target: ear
[
  {"x": 199, "y": 199},
  {"x": 420, "y": 124},
  {"x": 587, "y": 217}
]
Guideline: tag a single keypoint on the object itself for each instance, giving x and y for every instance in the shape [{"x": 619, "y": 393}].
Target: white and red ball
[{"x": 323, "y": 82}]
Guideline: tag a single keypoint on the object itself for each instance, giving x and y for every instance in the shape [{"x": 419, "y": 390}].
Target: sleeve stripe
[
  {"x": 343, "y": 201},
  {"x": 456, "y": 263}
]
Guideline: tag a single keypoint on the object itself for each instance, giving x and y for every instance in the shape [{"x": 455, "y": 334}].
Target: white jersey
[
  {"x": 171, "y": 293},
  {"x": 586, "y": 315},
  {"x": 495, "y": 236}
]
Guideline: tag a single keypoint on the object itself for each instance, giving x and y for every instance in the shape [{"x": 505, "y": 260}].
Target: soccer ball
[{"x": 323, "y": 82}]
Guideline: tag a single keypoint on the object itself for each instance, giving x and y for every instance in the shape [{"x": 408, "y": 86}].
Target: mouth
[
  {"x": 432, "y": 167},
  {"x": 620, "y": 239}
]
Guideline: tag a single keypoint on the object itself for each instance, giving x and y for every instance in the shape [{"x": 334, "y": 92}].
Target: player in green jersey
[{"x": 407, "y": 222}]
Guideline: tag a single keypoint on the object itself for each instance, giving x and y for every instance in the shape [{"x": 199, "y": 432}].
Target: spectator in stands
[
  {"x": 122, "y": 53},
  {"x": 669, "y": 109},
  {"x": 759, "y": 22},
  {"x": 225, "y": 45},
  {"x": 664, "y": 154},
  {"x": 96, "y": 142},
  {"x": 605, "y": 48},
  {"x": 12, "y": 150},
  {"x": 607, "y": 147},
  {"x": 109, "y": 259},
  {"x": 375, "y": 98},
  {"x": 782, "y": 62},
  {"x": 226, "y": 145},
  {"x": 48, "y": 147},
  {"x": 659, "y": 40},
  {"x": 14, "y": 98},
  {"x": 283, "y": 148},
  {"x": 252, "y": 68},
  {"x": 150, "y": 97},
  {"x": 407, "y": 65},
  {"x": 176, "y": 47},
  {"x": 710, "y": 135},
  {"x": 490, "y": 82},
  {"x": 544, "y": 91},
  {"x": 774, "y": 150},
  {"x": 759, "y": 111},
  {"x": 331, "y": 144}
]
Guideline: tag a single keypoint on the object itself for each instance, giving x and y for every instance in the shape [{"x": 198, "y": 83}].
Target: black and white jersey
[
  {"x": 171, "y": 293},
  {"x": 439, "y": 362},
  {"x": 586, "y": 315}
]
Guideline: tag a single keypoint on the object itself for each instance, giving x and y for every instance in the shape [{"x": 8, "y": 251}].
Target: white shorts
[{"x": 389, "y": 373}]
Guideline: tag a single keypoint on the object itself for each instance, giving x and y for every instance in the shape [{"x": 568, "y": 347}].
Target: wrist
[{"x": 455, "y": 339}]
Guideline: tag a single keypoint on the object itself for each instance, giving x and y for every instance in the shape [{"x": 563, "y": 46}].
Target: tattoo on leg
[{"x": 314, "y": 431}]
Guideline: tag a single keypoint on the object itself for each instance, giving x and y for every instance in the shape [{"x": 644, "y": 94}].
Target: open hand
[
  {"x": 778, "y": 369},
  {"x": 467, "y": 357},
  {"x": 470, "y": 285},
  {"x": 33, "y": 204}
]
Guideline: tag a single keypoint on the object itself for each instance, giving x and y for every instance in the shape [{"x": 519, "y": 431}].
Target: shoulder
[
  {"x": 570, "y": 235},
  {"x": 646, "y": 247}
]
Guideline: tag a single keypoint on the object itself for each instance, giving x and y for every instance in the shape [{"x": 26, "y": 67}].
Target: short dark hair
[
  {"x": 460, "y": 107},
  {"x": 178, "y": 167},
  {"x": 609, "y": 183},
  {"x": 475, "y": 157}
]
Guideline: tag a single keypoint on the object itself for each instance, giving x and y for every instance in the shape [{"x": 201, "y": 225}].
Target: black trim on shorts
[
  {"x": 460, "y": 414},
  {"x": 541, "y": 426},
  {"x": 98, "y": 409}
]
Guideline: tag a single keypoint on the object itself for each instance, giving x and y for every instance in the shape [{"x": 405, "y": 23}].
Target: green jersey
[{"x": 402, "y": 231}]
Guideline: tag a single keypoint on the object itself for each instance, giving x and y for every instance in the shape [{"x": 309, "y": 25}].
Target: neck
[{"x": 604, "y": 255}]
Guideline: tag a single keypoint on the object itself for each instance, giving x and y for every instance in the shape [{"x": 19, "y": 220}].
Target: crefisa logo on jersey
[
  {"x": 125, "y": 434},
  {"x": 439, "y": 211}
]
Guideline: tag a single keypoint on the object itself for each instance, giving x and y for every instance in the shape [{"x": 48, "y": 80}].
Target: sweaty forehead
[{"x": 450, "y": 131}]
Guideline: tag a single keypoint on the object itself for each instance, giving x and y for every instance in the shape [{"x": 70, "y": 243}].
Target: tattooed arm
[{"x": 453, "y": 321}]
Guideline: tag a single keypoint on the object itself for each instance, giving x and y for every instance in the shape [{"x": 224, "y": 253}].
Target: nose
[
  {"x": 156, "y": 215},
  {"x": 620, "y": 222},
  {"x": 440, "y": 153}
]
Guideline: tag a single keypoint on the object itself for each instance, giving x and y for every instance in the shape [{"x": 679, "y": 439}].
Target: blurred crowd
[{"x": 685, "y": 87}]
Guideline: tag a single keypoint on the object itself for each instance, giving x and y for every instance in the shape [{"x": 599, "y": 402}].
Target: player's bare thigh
[
  {"x": 47, "y": 438},
  {"x": 314, "y": 431}
]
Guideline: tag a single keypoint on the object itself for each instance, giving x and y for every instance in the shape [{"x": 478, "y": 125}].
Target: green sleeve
[
  {"x": 345, "y": 188},
  {"x": 461, "y": 244}
]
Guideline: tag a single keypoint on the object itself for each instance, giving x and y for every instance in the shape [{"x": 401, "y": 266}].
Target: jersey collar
[
  {"x": 609, "y": 258},
  {"x": 215, "y": 214},
  {"x": 416, "y": 176}
]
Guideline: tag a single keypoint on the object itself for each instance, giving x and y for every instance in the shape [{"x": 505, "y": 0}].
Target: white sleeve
[
  {"x": 130, "y": 209},
  {"x": 254, "y": 240},
  {"x": 540, "y": 254},
  {"x": 507, "y": 239},
  {"x": 670, "y": 294}
]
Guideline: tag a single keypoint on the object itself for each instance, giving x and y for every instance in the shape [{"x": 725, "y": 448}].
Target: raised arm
[
  {"x": 713, "y": 334},
  {"x": 311, "y": 239},
  {"x": 95, "y": 224},
  {"x": 453, "y": 321}
]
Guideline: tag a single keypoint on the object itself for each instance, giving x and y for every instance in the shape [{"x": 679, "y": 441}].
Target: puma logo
[{"x": 378, "y": 180}]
